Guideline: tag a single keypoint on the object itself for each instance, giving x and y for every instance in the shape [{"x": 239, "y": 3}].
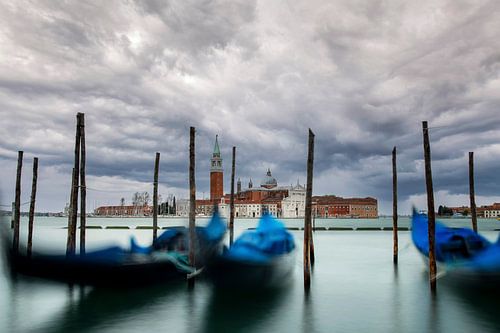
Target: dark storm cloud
[{"x": 361, "y": 74}]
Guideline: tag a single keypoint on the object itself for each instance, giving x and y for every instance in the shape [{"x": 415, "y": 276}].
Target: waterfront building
[
  {"x": 492, "y": 211},
  {"x": 486, "y": 211},
  {"x": 253, "y": 202},
  {"x": 182, "y": 207},
  {"x": 134, "y": 210},
  {"x": 279, "y": 201},
  {"x": 332, "y": 206},
  {"x": 294, "y": 205}
]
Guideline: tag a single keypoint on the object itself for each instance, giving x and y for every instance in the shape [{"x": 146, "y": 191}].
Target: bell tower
[{"x": 216, "y": 174}]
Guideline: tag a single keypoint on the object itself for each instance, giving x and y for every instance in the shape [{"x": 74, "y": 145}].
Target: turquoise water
[{"x": 355, "y": 288}]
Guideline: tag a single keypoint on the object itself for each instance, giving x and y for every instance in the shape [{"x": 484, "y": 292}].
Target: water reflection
[
  {"x": 433, "y": 323},
  {"x": 308, "y": 313},
  {"x": 242, "y": 311},
  {"x": 482, "y": 302},
  {"x": 90, "y": 308},
  {"x": 396, "y": 303}
]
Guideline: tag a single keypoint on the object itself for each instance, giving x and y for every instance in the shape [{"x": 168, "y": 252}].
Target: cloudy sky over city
[{"x": 361, "y": 74}]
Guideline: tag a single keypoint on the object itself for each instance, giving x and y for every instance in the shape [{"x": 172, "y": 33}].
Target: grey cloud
[{"x": 362, "y": 75}]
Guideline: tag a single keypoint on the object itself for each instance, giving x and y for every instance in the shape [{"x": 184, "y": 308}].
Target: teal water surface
[{"x": 355, "y": 288}]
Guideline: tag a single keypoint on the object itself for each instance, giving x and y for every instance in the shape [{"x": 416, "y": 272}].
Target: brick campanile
[{"x": 216, "y": 174}]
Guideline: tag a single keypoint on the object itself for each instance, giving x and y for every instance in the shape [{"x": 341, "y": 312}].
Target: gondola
[
  {"x": 259, "y": 259},
  {"x": 164, "y": 260},
  {"x": 463, "y": 255}
]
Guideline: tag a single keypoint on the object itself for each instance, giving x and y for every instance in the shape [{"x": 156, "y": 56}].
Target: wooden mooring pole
[
  {"x": 192, "y": 203},
  {"x": 231, "y": 201},
  {"x": 12, "y": 214},
  {"x": 83, "y": 186},
  {"x": 430, "y": 207},
  {"x": 155, "y": 197},
  {"x": 32, "y": 206},
  {"x": 17, "y": 203},
  {"x": 73, "y": 211},
  {"x": 308, "y": 251},
  {"x": 69, "y": 239},
  {"x": 311, "y": 241},
  {"x": 471, "y": 192},
  {"x": 394, "y": 207}
]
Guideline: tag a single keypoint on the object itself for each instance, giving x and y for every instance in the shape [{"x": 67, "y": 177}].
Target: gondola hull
[
  {"x": 258, "y": 259},
  {"x": 463, "y": 257},
  {"x": 134, "y": 272},
  {"x": 276, "y": 273},
  {"x": 166, "y": 259}
]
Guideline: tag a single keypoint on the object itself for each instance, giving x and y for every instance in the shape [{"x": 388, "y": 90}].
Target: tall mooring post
[
  {"x": 12, "y": 214},
  {"x": 430, "y": 207},
  {"x": 17, "y": 203},
  {"x": 32, "y": 206},
  {"x": 192, "y": 203},
  {"x": 308, "y": 212},
  {"x": 471, "y": 192},
  {"x": 83, "y": 186},
  {"x": 231, "y": 201},
  {"x": 73, "y": 210},
  {"x": 394, "y": 207},
  {"x": 70, "y": 239},
  {"x": 155, "y": 197}
]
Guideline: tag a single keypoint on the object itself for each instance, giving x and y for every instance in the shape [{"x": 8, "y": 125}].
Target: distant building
[
  {"x": 332, "y": 206},
  {"x": 279, "y": 201},
  {"x": 487, "y": 211},
  {"x": 253, "y": 202},
  {"x": 144, "y": 210},
  {"x": 182, "y": 208},
  {"x": 492, "y": 211},
  {"x": 294, "y": 205},
  {"x": 463, "y": 210}
]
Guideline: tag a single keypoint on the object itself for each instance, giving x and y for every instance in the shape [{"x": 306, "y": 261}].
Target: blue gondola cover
[
  {"x": 457, "y": 247},
  {"x": 268, "y": 240}
]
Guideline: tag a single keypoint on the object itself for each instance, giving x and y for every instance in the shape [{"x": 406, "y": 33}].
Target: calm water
[{"x": 355, "y": 288}]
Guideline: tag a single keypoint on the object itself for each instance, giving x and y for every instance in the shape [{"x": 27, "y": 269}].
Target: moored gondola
[
  {"x": 463, "y": 255},
  {"x": 260, "y": 258},
  {"x": 165, "y": 260}
]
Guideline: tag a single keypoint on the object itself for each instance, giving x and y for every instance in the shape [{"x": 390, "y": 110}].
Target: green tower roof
[{"x": 216, "y": 147}]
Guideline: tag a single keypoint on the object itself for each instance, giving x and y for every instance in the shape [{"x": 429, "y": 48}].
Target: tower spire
[{"x": 216, "y": 147}]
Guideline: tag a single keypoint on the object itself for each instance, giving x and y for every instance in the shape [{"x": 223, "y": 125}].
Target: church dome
[{"x": 269, "y": 181}]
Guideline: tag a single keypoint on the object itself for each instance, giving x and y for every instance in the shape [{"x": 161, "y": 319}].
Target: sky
[{"x": 363, "y": 75}]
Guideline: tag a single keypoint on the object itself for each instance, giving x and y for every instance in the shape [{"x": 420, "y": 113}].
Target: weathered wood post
[
  {"x": 155, "y": 197},
  {"x": 394, "y": 207},
  {"x": 430, "y": 207},
  {"x": 308, "y": 211},
  {"x": 192, "y": 203},
  {"x": 32, "y": 206},
  {"x": 231, "y": 201},
  {"x": 17, "y": 203},
  {"x": 311, "y": 239},
  {"x": 12, "y": 214},
  {"x": 83, "y": 187},
  {"x": 471, "y": 191},
  {"x": 71, "y": 241}
]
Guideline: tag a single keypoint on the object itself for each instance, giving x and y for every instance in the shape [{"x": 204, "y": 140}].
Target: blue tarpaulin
[
  {"x": 268, "y": 240},
  {"x": 459, "y": 247},
  {"x": 212, "y": 233}
]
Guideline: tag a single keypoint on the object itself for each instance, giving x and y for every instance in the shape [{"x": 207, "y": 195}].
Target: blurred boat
[
  {"x": 259, "y": 258},
  {"x": 165, "y": 260},
  {"x": 461, "y": 253}
]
